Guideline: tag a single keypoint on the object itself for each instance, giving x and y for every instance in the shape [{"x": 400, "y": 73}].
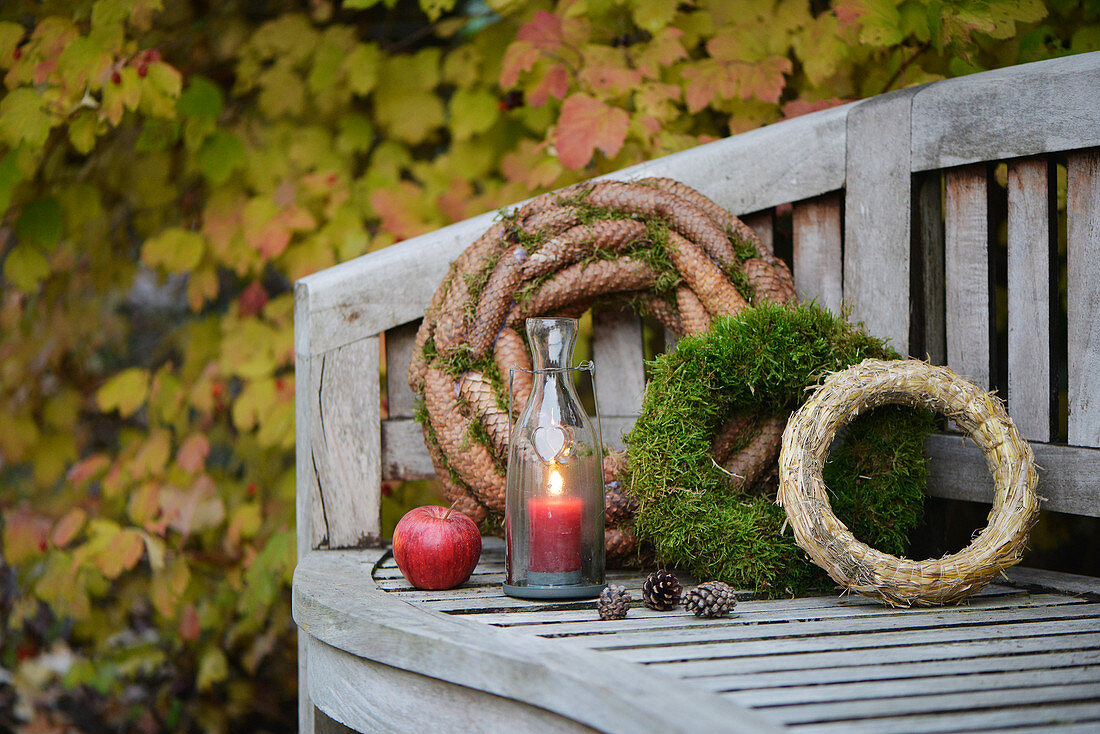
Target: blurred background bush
[{"x": 168, "y": 168}]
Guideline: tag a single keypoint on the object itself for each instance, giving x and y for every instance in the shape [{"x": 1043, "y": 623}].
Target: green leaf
[
  {"x": 361, "y": 67},
  {"x": 473, "y": 111},
  {"x": 361, "y": 4},
  {"x": 40, "y": 224},
  {"x": 10, "y": 36},
  {"x": 213, "y": 669},
  {"x": 653, "y": 15},
  {"x": 23, "y": 119},
  {"x": 160, "y": 89},
  {"x": 82, "y": 131},
  {"x": 177, "y": 250},
  {"x": 25, "y": 267},
  {"x": 202, "y": 98},
  {"x": 10, "y": 176},
  {"x": 435, "y": 8},
  {"x": 83, "y": 61},
  {"x": 356, "y": 135},
  {"x": 125, "y": 392},
  {"x": 220, "y": 155}
]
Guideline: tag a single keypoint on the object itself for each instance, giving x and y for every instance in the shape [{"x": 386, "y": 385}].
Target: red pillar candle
[{"x": 554, "y": 522}]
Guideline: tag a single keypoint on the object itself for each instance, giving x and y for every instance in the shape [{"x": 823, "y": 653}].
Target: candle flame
[{"x": 555, "y": 482}]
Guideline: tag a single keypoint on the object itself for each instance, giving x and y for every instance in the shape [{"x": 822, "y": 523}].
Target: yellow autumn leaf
[
  {"x": 125, "y": 392},
  {"x": 213, "y": 669},
  {"x": 473, "y": 111},
  {"x": 175, "y": 249}
]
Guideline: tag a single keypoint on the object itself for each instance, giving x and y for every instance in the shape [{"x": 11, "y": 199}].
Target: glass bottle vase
[{"x": 554, "y": 512}]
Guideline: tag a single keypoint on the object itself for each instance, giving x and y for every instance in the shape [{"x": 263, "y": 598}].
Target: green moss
[{"x": 765, "y": 358}]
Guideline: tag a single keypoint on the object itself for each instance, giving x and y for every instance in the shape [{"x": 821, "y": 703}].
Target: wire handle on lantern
[{"x": 585, "y": 366}]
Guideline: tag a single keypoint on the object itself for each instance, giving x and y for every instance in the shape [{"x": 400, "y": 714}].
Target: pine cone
[
  {"x": 614, "y": 602},
  {"x": 712, "y": 599},
  {"x": 661, "y": 591}
]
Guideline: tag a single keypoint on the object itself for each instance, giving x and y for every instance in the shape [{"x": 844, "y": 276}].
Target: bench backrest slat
[{"x": 890, "y": 202}]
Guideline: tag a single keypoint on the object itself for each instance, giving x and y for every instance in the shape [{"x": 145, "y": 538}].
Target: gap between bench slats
[
  {"x": 883, "y": 656},
  {"x": 1046, "y": 716}
]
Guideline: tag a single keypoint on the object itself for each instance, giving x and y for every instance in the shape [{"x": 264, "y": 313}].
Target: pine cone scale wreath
[{"x": 656, "y": 242}]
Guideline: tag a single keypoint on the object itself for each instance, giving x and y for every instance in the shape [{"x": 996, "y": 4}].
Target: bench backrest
[{"x": 894, "y": 207}]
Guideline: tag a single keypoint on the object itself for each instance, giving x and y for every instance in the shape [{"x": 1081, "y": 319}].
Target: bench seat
[{"x": 1022, "y": 653}]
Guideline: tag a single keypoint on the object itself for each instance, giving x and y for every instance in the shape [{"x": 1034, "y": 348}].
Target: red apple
[{"x": 436, "y": 547}]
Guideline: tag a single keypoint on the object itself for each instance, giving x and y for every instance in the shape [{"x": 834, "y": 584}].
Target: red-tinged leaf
[
  {"x": 25, "y": 535},
  {"x": 455, "y": 200},
  {"x": 848, "y": 12},
  {"x": 144, "y": 506},
  {"x": 764, "y": 80},
  {"x": 555, "y": 83},
  {"x": 193, "y": 452},
  {"x": 605, "y": 70},
  {"x": 88, "y": 468},
  {"x": 519, "y": 57},
  {"x": 401, "y": 210},
  {"x": 253, "y": 299},
  {"x": 585, "y": 125},
  {"x": 68, "y": 526},
  {"x": 194, "y": 509},
  {"x": 797, "y": 107},
  {"x": 122, "y": 554},
  {"x": 189, "y": 627},
  {"x": 544, "y": 31}
]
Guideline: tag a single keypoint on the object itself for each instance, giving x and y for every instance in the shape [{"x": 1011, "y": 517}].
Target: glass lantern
[{"x": 554, "y": 505}]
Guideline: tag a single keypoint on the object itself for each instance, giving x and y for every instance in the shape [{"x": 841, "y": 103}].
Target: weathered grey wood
[
  {"x": 763, "y": 223},
  {"x": 404, "y": 455},
  {"x": 347, "y": 457},
  {"x": 947, "y": 703},
  {"x": 399, "y": 342},
  {"x": 1032, "y": 247},
  {"x": 872, "y": 643},
  {"x": 876, "y": 216},
  {"x": 309, "y": 437},
  {"x": 1083, "y": 263},
  {"x": 929, "y": 212},
  {"x": 738, "y": 630},
  {"x": 795, "y": 681},
  {"x": 882, "y": 656},
  {"x": 1044, "y": 107},
  {"x": 818, "y": 268},
  {"x": 619, "y": 357},
  {"x": 1067, "y": 474},
  {"x": 336, "y": 600},
  {"x": 967, "y": 280},
  {"x": 1068, "y": 583},
  {"x": 372, "y": 697},
  {"x": 1050, "y": 716}
]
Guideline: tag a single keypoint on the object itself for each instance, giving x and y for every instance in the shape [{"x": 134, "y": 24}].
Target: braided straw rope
[
  {"x": 556, "y": 255},
  {"x": 864, "y": 570}
]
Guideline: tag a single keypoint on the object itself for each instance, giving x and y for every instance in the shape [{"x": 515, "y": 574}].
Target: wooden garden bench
[{"x": 890, "y": 203}]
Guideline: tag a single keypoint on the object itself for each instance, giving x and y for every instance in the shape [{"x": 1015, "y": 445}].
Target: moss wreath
[
  {"x": 658, "y": 244},
  {"x": 696, "y": 514}
]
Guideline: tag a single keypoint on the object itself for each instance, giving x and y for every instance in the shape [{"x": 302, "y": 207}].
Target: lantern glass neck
[{"x": 551, "y": 342}]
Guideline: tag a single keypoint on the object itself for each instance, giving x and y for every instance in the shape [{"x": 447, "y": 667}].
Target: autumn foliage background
[{"x": 168, "y": 168}]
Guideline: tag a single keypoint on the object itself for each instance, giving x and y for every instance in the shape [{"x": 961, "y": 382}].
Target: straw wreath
[
  {"x": 656, "y": 243},
  {"x": 864, "y": 570}
]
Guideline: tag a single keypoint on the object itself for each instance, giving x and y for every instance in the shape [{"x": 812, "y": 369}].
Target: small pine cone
[
  {"x": 614, "y": 602},
  {"x": 712, "y": 599},
  {"x": 661, "y": 591}
]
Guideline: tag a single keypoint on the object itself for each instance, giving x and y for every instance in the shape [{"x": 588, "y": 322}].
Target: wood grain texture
[
  {"x": 967, "y": 282},
  {"x": 399, "y": 346},
  {"x": 818, "y": 268},
  {"x": 876, "y": 216},
  {"x": 346, "y": 448},
  {"x": 338, "y": 603},
  {"x": 1067, "y": 474},
  {"x": 370, "y": 696},
  {"x": 1031, "y": 251},
  {"x": 619, "y": 357},
  {"x": 1024, "y": 110},
  {"x": 1083, "y": 296},
  {"x": 1047, "y": 718}
]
